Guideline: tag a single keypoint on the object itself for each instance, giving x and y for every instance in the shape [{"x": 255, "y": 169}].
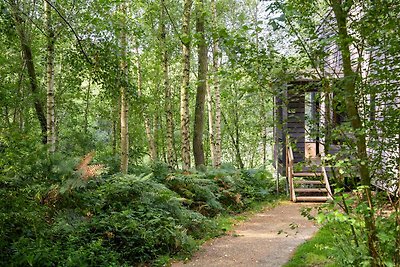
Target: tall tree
[
  {"x": 169, "y": 115},
  {"x": 149, "y": 133},
  {"x": 217, "y": 94},
  {"x": 198, "y": 150},
  {"x": 51, "y": 120},
  {"x": 341, "y": 10},
  {"x": 210, "y": 123},
  {"x": 123, "y": 91},
  {"x": 26, "y": 48},
  {"x": 184, "y": 110}
]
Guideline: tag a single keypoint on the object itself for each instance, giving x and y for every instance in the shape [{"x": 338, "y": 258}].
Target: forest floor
[{"x": 268, "y": 238}]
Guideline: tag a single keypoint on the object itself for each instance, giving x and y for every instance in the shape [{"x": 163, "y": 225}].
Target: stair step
[
  {"x": 307, "y": 174},
  {"x": 310, "y": 190},
  {"x": 312, "y": 199},
  {"x": 308, "y": 182}
]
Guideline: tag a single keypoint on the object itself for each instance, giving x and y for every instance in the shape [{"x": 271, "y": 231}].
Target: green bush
[
  {"x": 351, "y": 237},
  {"x": 116, "y": 220},
  {"x": 220, "y": 191}
]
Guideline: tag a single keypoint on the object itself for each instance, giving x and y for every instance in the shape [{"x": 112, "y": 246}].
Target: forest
[{"x": 131, "y": 130}]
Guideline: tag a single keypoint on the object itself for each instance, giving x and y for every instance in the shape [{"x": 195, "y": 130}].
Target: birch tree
[
  {"x": 51, "y": 121},
  {"x": 184, "y": 96},
  {"x": 169, "y": 116},
  {"x": 147, "y": 125},
  {"x": 124, "y": 112},
  {"x": 217, "y": 94}
]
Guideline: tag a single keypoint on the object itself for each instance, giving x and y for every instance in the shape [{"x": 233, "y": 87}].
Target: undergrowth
[
  {"x": 55, "y": 218},
  {"x": 343, "y": 240},
  {"x": 316, "y": 252}
]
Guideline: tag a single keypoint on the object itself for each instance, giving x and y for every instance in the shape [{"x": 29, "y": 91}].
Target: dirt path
[{"x": 268, "y": 238}]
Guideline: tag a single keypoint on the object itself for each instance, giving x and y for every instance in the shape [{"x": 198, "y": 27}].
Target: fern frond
[{"x": 86, "y": 160}]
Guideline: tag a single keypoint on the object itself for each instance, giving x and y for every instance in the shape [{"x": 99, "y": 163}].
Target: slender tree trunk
[
  {"x": 114, "y": 137},
  {"x": 150, "y": 139},
  {"x": 237, "y": 140},
  {"x": 215, "y": 52},
  {"x": 19, "y": 111},
  {"x": 211, "y": 125},
  {"x": 51, "y": 122},
  {"x": 184, "y": 112},
  {"x": 156, "y": 130},
  {"x": 87, "y": 108},
  {"x": 349, "y": 86},
  {"x": 264, "y": 131},
  {"x": 198, "y": 149},
  {"x": 327, "y": 113},
  {"x": 149, "y": 134},
  {"x": 169, "y": 116},
  {"x": 123, "y": 94},
  {"x": 262, "y": 95},
  {"x": 7, "y": 116},
  {"x": 28, "y": 58}
]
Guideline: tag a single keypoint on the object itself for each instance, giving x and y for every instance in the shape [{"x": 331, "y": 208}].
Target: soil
[{"x": 268, "y": 238}]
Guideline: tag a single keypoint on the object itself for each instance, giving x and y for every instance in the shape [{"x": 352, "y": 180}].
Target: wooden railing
[
  {"x": 289, "y": 171},
  {"x": 326, "y": 180},
  {"x": 290, "y": 174}
]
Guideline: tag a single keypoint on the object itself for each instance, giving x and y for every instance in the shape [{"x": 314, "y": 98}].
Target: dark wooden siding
[
  {"x": 290, "y": 120},
  {"x": 295, "y": 122}
]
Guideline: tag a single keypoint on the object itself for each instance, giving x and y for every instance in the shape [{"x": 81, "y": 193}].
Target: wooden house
[
  {"x": 290, "y": 120},
  {"x": 299, "y": 114},
  {"x": 304, "y": 114}
]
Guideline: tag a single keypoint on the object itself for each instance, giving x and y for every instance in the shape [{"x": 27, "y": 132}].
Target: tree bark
[
  {"x": 217, "y": 94},
  {"x": 28, "y": 58},
  {"x": 169, "y": 116},
  {"x": 239, "y": 160},
  {"x": 149, "y": 134},
  {"x": 184, "y": 96},
  {"x": 51, "y": 121},
  {"x": 234, "y": 135},
  {"x": 198, "y": 149},
  {"x": 87, "y": 108},
  {"x": 211, "y": 125},
  {"x": 349, "y": 86},
  {"x": 114, "y": 134},
  {"x": 123, "y": 94},
  {"x": 263, "y": 112},
  {"x": 19, "y": 111}
]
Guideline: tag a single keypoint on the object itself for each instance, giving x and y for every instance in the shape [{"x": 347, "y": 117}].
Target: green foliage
[
  {"x": 118, "y": 220},
  {"x": 316, "y": 252},
  {"x": 21, "y": 156},
  {"x": 223, "y": 190},
  {"x": 347, "y": 226}
]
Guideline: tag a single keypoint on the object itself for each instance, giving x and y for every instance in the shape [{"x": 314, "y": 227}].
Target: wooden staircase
[{"x": 307, "y": 186}]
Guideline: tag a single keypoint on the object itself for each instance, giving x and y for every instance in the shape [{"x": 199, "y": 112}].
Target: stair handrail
[
  {"x": 289, "y": 170},
  {"x": 326, "y": 180}
]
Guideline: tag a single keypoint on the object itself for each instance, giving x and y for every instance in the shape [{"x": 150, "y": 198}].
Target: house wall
[
  {"x": 370, "y": 62},
  {"x": 290, "y": 121},
  {"x": 296, "y": 122}
]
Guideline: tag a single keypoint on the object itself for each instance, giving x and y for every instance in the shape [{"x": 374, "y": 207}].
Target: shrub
[
  {"x": 351, "y": 237},
  {"x": 116, "y": 220}
]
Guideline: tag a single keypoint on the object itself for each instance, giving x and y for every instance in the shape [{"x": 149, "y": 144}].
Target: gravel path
[{"x": 266, "y": 239}]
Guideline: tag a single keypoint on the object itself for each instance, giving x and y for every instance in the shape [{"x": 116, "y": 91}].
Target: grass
[{"x": 315, "y": 252}]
